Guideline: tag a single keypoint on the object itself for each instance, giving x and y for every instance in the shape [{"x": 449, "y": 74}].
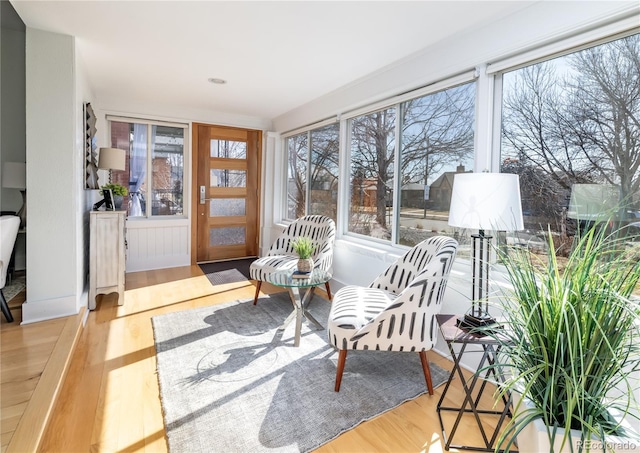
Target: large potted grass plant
[{"x": 570, "y": 343}]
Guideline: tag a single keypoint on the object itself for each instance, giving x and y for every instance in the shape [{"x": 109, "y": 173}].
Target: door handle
[{"x": 202, "y": 194}]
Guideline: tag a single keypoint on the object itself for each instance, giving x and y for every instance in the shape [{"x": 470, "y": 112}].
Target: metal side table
[
  {"x": 486, "y": 373},
  {"x": 300, "y": 302}
]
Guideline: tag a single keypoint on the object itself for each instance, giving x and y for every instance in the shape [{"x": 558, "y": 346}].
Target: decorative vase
[
  {"x": 117, "y": 201},
  {"x": 305, "y": 265}
]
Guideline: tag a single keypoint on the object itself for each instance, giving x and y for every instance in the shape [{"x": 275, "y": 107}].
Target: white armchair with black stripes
[
  {"x": 397, "y": 312},
  {"x": 321, "y": 229}
]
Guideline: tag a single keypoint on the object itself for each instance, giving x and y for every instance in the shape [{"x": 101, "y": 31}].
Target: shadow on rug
[
  {"x": 227, "y": 271},
  {"x": 230, "y": 381}
]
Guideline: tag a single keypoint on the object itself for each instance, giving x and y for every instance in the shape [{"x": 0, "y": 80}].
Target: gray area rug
[
  {"x": 13, "y": 289},
  {"x": 231, "y": 382}
]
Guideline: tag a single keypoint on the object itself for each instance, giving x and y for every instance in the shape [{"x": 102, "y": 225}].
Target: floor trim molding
[{"x": 30, "y": 429}]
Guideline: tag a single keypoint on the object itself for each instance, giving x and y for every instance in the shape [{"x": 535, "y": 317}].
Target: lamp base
[{"x": 471, "y": 322}]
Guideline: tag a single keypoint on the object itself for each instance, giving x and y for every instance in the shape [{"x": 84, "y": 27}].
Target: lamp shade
[
  {"x": 593, "y": 201},
  {"x": 486, "y": 201},
  {"x": 111, "y": 159},
  {"x": 14, "y": 175}
]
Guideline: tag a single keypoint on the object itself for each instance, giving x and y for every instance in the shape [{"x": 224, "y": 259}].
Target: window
[
  {"x": 436, "y": 142},
  {"x": 570, "y": 130},
  {"x": 371, "y": 173},
  {"x": 157, "y": 150},
  {"x": 320, "y": 148}
]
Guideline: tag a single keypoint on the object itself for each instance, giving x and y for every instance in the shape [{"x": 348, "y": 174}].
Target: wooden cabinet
[{"x": 106, "y": 255}]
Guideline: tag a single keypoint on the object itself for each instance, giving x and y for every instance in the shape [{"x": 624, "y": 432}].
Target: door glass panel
[
  {"x": 228, "y": 149},
  {"x": 227, "y": 207},
  {"x": 226, "y": 236},
  {"x": 228, "y": 178}
]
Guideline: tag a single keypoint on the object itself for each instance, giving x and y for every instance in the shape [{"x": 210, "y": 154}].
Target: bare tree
[
  {"x": 325, "y": 150},
  {"x": 297, "y": 179},
  {"x": 579, "y": 127},
  {"x": 603, "y": 114},
  {"x": 372, "y": 150},
  {"x": 437, "y": 130}
]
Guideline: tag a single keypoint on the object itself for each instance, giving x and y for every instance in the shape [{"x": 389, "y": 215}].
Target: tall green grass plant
[{"x": 571, "y": 339}]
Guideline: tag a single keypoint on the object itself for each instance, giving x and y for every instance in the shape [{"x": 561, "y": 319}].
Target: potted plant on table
[
  {"x": 571, "y": 341},
  {"x": 119, "y": 192},
  {"x": 304, "y": 248}
]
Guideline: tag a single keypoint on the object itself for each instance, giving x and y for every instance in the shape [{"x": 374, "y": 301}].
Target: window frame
[
  {"x": 308, "y": 130},
  {"x": 345, "y": 154},
  {"x": 186, "y": 166},
  {"x": 487, "y": 120}
]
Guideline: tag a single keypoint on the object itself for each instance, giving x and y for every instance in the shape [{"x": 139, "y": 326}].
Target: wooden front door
[{"x": 227, "y": 181}]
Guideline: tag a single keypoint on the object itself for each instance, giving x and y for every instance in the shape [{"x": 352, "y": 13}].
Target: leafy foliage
[
  {"x": 303, "y": 246},
  {"x": 116, "y": 189},
  {"x": 571, "y": 339}
]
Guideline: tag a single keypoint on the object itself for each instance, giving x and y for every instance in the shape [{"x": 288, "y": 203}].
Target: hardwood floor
[
  {"x": 34, "y": 360},
  {"x": 109, "y": 401}
]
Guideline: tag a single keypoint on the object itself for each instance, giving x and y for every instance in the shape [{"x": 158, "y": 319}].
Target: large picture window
[
  {"x": 571, "y": 130},
  {"x": 154, "y": 172},
  {"x": 436, "y": 142},
  {"x": 371, "y": 173}
]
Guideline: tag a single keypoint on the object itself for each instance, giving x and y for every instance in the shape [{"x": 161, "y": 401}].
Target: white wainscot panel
[{"x": 158, "y": 244}]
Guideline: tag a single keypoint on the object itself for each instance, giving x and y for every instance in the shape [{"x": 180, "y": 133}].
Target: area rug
[
  {"x": 227, "y": 271},
  {"x": 230, "y": 381},
  {"x": 12, "y": 289}
]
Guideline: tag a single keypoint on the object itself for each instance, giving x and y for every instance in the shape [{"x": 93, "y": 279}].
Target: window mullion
[
  {"x": 148, "y": 191},
  {"x": 397, "y": 179},
  {"x": 308, "y": 188},
  {"x": 483, "y": 120}
]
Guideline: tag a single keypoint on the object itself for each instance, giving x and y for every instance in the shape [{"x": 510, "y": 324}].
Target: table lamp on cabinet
[{"x": 110, "y": 159}]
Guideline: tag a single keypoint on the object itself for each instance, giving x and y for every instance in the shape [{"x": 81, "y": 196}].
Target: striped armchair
[
  {"x": 397, "y": 311},
  {"x": 321, "y": 229}
]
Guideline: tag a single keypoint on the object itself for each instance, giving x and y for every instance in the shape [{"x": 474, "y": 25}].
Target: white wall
[{"x": 54, "y": 195}]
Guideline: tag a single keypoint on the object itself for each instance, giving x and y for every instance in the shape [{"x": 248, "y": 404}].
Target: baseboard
[{"x": 30, "y": 429}]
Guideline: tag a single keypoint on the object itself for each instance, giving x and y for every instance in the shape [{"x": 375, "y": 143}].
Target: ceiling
[{"x": 275, "y": 56}]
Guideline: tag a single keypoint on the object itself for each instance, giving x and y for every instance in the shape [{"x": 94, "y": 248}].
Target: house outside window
[
  {"x": 570, "y": 130},
  {"x": 156, "y": 150}
]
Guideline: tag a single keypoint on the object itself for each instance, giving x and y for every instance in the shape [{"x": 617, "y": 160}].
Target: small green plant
[
  {"x": 116, "y": 189},
  {"x": 304, "y": 247}
]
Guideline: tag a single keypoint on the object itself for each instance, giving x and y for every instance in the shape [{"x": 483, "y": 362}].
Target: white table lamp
[{"x": 484, "y": 201}]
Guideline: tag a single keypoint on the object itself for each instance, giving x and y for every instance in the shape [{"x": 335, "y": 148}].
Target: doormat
[{"x": 227, "y": 271}]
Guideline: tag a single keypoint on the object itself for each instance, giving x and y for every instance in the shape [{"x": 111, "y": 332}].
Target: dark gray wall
[{"x": 12, "y": 107}]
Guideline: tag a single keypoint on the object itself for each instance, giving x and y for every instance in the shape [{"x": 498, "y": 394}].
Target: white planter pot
[{"x": 534, "y": 438}]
